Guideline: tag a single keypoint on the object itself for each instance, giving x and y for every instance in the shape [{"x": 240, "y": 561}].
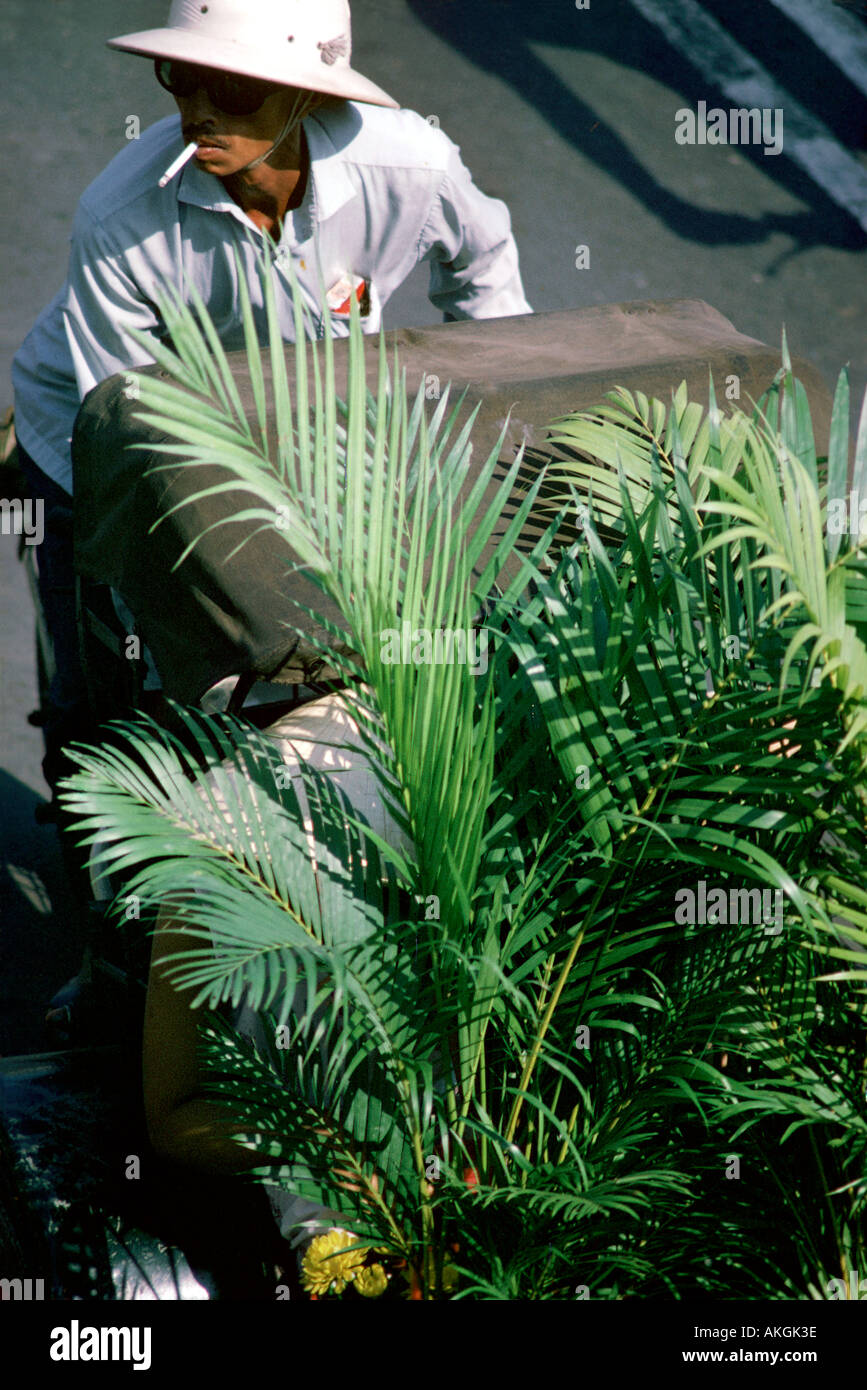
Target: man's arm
[
  {"x": 102, "y": 306},
  {"x": 474, "y": 260}
]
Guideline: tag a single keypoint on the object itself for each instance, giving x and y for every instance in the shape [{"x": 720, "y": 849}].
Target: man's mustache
[{"x": 203, "y": 136}]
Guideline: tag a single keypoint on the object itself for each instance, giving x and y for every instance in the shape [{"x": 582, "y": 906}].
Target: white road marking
[
  {"x": 838, "y": 34},
  {"x": 731, "y": 69}
]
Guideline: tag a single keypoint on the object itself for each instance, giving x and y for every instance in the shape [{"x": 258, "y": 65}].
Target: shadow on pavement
[{"x": 499, "y": 37}]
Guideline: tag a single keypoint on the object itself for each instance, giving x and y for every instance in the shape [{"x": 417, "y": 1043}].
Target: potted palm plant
[{"x": 587, "y": 1025}]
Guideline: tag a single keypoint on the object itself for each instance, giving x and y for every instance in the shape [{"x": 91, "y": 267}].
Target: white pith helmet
[{"x": 297, "y": 43}]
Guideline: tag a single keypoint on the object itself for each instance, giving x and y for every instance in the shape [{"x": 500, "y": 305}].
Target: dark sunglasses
[{"x": 227, "y": 91}]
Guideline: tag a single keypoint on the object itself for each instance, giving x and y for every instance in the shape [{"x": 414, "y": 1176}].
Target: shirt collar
[
  {"x": 329, "y": 185},
  {"x": 205, "y": 191}
]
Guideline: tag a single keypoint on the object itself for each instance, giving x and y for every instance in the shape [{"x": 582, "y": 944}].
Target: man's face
[{"x": 228, "y": 143}]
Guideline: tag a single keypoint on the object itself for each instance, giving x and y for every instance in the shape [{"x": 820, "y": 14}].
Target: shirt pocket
[{"x": 345, "y": 288}]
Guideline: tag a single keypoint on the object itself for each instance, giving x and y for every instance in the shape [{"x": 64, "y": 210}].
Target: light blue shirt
[{"x": 386, "y": 190}]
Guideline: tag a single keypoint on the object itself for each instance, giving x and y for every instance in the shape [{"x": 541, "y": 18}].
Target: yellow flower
[
  {"x": 371, "y": 1282},
  {"x": 323, "y": 1270}
]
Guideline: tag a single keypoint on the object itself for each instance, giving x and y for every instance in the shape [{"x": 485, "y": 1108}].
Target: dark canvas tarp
[{"x": 219, "y": 615}]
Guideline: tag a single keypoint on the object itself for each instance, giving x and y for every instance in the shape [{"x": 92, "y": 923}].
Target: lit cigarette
[{"x": 179, "y": 163}]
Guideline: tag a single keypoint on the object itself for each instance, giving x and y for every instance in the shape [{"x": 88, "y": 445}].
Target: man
[{"x": 291, "y": 144}]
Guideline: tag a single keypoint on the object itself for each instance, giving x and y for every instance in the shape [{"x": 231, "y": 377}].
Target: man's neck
[{"x": 268, "y": 192}]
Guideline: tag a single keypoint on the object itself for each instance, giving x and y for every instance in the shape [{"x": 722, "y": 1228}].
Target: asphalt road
[{"x": 569, "y": 114}]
